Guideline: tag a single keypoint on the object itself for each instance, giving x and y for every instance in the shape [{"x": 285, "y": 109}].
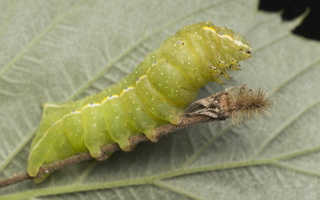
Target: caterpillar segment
[{"x": 156, "y": 93}]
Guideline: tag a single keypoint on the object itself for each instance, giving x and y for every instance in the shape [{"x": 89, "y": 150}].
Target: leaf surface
[{"x": 57, "y": 51}]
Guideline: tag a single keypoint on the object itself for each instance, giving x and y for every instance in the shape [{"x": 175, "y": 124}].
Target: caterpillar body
[{"x": 156, "y": 93}]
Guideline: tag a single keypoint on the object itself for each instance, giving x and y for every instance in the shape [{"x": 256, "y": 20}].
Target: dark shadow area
[{"x": 310, "y": 27}]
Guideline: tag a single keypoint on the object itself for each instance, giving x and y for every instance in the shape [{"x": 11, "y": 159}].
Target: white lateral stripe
[
  {"x": 213, "y": 30},
  {"x": 52, "y": 105},
  {"x": 90, "y": 105}
]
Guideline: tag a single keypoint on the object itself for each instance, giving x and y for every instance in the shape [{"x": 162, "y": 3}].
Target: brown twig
[{"x": 217, "y": 107}]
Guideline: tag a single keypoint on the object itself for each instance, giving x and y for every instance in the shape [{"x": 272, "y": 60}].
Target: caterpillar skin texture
[{"x": 156, "y": 93}]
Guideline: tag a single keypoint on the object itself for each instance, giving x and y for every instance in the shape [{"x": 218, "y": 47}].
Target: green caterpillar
[{"x": 156, "y": 93}]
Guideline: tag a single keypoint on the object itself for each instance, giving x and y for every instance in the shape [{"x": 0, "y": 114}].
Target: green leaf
[{"x": 56, "y": 51}]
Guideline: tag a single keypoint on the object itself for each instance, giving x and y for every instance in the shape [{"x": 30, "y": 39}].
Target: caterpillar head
[
  {"x": 233, "y": 44},
  {"x": 241, "y": 45},
  {"x": 227, "y": 50}
]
